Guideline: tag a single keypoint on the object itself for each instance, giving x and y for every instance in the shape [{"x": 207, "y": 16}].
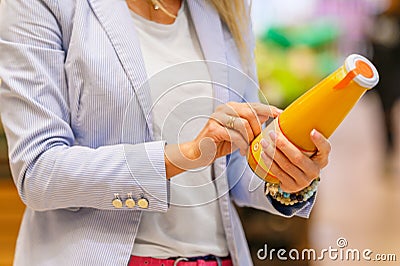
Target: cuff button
[
  {"x": 143, "y": 203},
  {"x": 117, "y": 202},
  {"x": 130, "y": 202}
]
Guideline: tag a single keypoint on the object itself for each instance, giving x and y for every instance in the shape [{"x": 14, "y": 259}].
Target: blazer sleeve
[{"x": 49, "y": 169}]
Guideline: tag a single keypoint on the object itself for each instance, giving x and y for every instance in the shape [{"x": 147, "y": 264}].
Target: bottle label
[{"x": 255, "y": 160}]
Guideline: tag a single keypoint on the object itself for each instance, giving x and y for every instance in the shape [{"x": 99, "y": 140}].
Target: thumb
[{"x": 323, "y": 146}]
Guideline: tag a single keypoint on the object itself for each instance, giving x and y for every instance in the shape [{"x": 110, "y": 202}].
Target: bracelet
[{"x": 275, "y": 191}]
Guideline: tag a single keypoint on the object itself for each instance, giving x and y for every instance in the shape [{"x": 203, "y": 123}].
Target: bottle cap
[{"x": 367, "y": 75}]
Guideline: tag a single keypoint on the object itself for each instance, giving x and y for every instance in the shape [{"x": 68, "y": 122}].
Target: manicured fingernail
[
  {"x": 272, "y": 135},
  {"x": 314, "y": 133},
  {"x": 264, "y": 144}
]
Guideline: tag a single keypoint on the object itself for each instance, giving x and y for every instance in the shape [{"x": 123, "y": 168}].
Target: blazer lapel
[
  {"x": 209, "y": 31},
  {"x": 117, "y": 22}
]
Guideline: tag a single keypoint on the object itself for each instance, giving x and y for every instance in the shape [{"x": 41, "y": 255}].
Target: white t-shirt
[{"x": 192, "y": 226}]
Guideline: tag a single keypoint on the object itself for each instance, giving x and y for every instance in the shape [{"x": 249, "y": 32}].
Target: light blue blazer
[{"x": 69, "y": 69}]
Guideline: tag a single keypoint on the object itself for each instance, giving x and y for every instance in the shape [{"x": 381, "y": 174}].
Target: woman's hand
[
  {"x": 232, "y": 126},
  {"x": 293, "y": 168},
  {"x": 220, "y": 138}
]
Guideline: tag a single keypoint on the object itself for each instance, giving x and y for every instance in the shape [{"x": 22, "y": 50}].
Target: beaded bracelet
[{"x": 275, "y": 191}]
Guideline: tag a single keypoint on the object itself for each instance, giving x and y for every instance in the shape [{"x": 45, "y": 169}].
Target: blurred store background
[{"x": 298, "y": 43}]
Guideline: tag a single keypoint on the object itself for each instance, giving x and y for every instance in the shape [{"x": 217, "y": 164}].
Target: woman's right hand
[{"x": 232, "y": 126}]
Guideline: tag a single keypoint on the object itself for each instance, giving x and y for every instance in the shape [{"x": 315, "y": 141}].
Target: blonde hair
[{"x": 236, "y": 16}]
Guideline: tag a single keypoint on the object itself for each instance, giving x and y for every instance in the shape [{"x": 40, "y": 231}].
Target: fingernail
[
  {"x": 264, "y": 157},
  {"x": 272, "y": 135},
  {"x": 314, "y": 133},
  {"x": 276, "y": 112},
  {"x": 264, "y": 144}
]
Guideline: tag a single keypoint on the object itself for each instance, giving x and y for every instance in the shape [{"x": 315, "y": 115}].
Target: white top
[
  {"x": 366, "y": 82},
  {"x": 193, "y": 225}
]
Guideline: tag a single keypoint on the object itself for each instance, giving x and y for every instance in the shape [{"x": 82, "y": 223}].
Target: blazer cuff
[
  {"x": 146, "y": 166},
  {"x": 302, "y": 209}
]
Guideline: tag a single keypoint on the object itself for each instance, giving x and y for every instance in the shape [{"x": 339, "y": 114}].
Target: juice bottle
[{"x": 323, "y": 108}]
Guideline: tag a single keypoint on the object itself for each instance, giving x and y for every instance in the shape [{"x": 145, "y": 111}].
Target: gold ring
[{"x": 231, "y": 122}]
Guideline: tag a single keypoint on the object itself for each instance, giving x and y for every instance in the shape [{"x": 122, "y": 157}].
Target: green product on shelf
[
  {"x": 292, "y": 59},
  {"x": 312, "y": 35}
]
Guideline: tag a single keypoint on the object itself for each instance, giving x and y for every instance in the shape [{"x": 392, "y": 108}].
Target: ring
[{"x": 231, "y": 122}]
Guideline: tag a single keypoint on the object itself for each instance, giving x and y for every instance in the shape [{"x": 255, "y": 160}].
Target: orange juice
[{"x": 323, "y": 108}]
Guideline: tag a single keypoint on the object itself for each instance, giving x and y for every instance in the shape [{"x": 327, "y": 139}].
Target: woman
[{"x": 116, "y": 170}]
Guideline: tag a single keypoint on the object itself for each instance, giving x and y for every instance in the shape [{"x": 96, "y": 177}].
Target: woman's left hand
[{"x": 292, "y": 167}]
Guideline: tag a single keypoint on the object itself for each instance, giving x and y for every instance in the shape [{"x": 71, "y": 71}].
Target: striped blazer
[{"x": 70, "y": 69}]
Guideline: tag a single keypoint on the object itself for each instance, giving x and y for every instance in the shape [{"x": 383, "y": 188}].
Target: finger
[
  {"x": 254, "y": 113},
  {"x": 255, "y": 117},
  {"x": 238, "y": 141},
  {"x": 288, "y": 183},
  {"x": 295, "y": 156},
  {"x": 239, "y": 124},
  {"x": 263, "y": 112},
  {"x": 286, "y": 166},
  {"x": 247, "y": 112},
  {"x": 221, "y": 133},
  {"x": 266, "y": 111},
  {"x": 243, "y": 127},
  {"x": 323, "y": 146}
]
